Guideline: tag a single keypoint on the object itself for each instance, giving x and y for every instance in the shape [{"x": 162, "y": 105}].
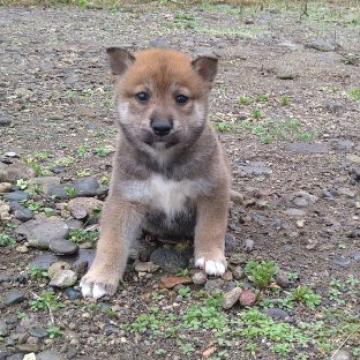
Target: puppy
[{"x": 170, "y": 175}]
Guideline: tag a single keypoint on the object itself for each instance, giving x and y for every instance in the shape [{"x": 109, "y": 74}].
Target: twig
[{"x": 342, "y": 345}]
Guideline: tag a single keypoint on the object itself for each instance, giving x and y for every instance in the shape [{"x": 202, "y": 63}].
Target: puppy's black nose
[{"x": 161, "y": 127}]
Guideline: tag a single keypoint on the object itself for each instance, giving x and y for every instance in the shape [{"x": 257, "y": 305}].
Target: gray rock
[
  {"x": 72, "y": 294},
  {"x": 15, "y": 357},
  {"x": 307, "y": 149},
  {"x": 230, "y": 242},
  {"x": 38, "y": 332},
  {"x": 159, "y": 43},
  {"x": 64, "y": 279},
  {"x": 5, "y": 119},
  {"x": 238, "y": 273},
  {"x": 278, "y": 314},
  {"x": 169, "y": 260},
  {"x": 5, "y": 355},
  {"x": 302, "y": 199},
  {"x": 334, "y": 107},
  {"x": 56, "y": 267},
  {"x": 23, "y": 214},
  {"x": 63, "y": 247},
  {"x": 282, "y": 279},
  {"x": 41, "y": 232},
  {"x": 341, "y": 261},
  {"x": 86, "y": 187},
  {"x": 341, "y": 355},
  {"x": 295, "y": 212},
  {"x": 4, "y": 330},
  {"x": 249, "y": 245},
  {"x": 16, "y": 196},
  {"x": 255, "y": 168},
  {"x": 81, "y": 207},
  {"x": 213, "y": 286},
  {"x": 346, "y": 192},
  {"x": 49, "y": 355},
  {"x": 199, "y": 278},
  {"x": 14, "y": 297},
  {"x": 45, "y": 182},
  {"x": 286, "y": 73},
  {"x": 27, "y": 348},
  {"x": 44, "y": 261},
  {"x": 12, "y": 173},
  {"x": 58, "y": 169},
  {"x": 355, "y": 172},
  {"x": 323, "y": 45},
  {"x": 356, "y": 256},
  {"x": 231, "y": 297}
]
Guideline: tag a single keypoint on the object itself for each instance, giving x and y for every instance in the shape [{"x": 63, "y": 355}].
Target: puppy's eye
[
  {"x": 142, "y": 96},
  {"x": 181, "y": 99}
]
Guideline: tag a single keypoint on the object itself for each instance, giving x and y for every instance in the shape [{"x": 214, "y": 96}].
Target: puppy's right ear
[{"x": 120, "y": 59}]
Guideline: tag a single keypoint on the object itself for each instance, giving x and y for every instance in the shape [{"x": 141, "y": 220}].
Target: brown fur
[{"x": 173, "y": 186}]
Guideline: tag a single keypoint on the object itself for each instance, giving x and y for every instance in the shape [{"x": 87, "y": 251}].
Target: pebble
[
  {"x": 5, "y": 187},
  {"x": 282, "y": 280},
  {"x": 168, "y": 282},
  {"x": 16, "y": 196},
  {"x": 278, "y": 314},
  {"x": 159, "y": 43},
  {"x": 86, "y": 187},
  {"x": 30, "y": 356},
  {"x": 230, "y": 242},
  {"x": 63, "y": 247},
  {"x": 27, "y": 348},
  {"x": 295, "y": 212},
  {"x": 341, "y": 261},
  {"x": 199, "y": 278},
  {"x": 169, "y": 260},
  {"x": 286, "y": 73},
  {"x": 4, "y": 211},
  {"x": 323, "y": 45},
  {"x": 5, "y": 119},
  {"x": 38, "y": 332},
  {"x": 249, "y": 245},
  {"x": 255, "y": 168},
  {"x": 56, "y": 267},
  {"x": 346, "y": 192},
  {"x": 44, "y": 261},
  {"x": 22, "y": 249},
  {"x": 147, "y": 267},
  {"x": 72, "y": 294},
  {"x": 4, "y": 329},
  {"x": 14, "y": 297},
  {"x": 247, "y": 298},
  {"x": 49, "y": 355},
  {"x": 353, "y": 158},
  {"x": 214, "y": 285},
  {"x": 23, "y": 214},
  {"x": 228, "y": 276},
  {"x": 238, "y": 273},
  {"x": 303, "y": 199},
  {"x": 341, "y": 355},
  {"x": 334, "y": 107},
  {"x": 63, "y": 279},
  {"x": 41, "y": 232},
  {"x": 81, "y": 207},
  {"x": 12, "y": 173},
  {"x": 231, "y": 297}
]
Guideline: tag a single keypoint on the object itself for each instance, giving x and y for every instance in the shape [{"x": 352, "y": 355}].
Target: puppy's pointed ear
[
  {"x": 120, "y": 60},
  {"x": 206, "y": 67}
]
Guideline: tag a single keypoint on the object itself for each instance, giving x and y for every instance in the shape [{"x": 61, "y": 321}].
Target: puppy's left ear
[
  {"x": 206, "y": 67},
  {"x": 120, "y": 59}
]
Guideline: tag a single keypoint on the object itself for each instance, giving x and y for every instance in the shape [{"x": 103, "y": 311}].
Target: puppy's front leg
[
  {"x": 211, "y": 224},
  {"x": 120, "y": 226}
]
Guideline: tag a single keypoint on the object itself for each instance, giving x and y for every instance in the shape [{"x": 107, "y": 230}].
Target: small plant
[
  {"x": 42, "y": 155},
  {"x": 83, "y": 173},
  {"x": 65, "y": 161},
  {"x": 46, "y": 301},
  {"x": 245, "y": 100},
  {"x": 257, "y": 114},
  {"x": 37, "y": 273},
  {"x": 53, "y": 331},
  {"x": 32, "y": 205},
  {"x": 223, "y": 127},
  {"x": 285, "y": 100},
  {"x": 305, "y": 295},
  {"x": 22, "y": 184},
  {"x": 7, "y": 240},
  {"x": 183, "y": 272},
  {"x": 81, "y": 151},
  {"x": 354, "y": 94},
  {"x": 262, "y": 98},
  {"x": 70, "y": 191},
  {"x": 186, "y": 348},
  {"x": 79, "y": 236},
  {"x": 184, "y": 292},
  {"x": 261, "y": 274},
  {"x": 103, "y": 151}
]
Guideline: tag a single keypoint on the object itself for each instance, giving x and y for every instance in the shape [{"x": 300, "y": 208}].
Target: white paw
[
  {"x": 89, "y": 290},
  {"x": 211, "y": 267}
]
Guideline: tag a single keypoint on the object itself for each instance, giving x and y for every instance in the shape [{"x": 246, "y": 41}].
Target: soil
[{"x": 56, "y": 87}]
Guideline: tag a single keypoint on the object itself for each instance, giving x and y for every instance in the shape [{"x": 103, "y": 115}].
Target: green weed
[{"x": 261, "y": 274}]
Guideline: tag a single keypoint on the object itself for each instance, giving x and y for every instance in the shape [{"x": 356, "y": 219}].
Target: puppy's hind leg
[{"x": 120, "y": 226}]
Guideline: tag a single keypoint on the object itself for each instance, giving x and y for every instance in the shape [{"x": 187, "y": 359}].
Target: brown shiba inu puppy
[{"x": 170, "y": 176}]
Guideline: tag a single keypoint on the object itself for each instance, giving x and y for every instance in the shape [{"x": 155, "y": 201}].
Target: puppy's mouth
[{"x": 161, "y": 142}]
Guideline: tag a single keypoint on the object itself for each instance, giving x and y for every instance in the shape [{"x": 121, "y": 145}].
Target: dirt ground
[{"x": 286, "y": 104}]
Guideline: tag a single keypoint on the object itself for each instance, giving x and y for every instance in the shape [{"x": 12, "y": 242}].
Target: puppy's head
[{"x": 161, "y": 96}]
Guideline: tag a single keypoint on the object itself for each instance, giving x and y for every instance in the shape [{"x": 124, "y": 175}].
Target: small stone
[
  {"x": 82, "y": 207},
  {"x": 286, "y": 73},
  {"x": 4, "y": 330},
  {"x": 43, "y": 261},
  {"x": 14, "y": 297},
  {"x": 341, "y": 355},
  {"x": 38, "y": 332},
  {"x": 63, "y": 279},
  {"x": 169, "y": 260},
  {"x": 247, "y": 298},
  {"x": 27, "y": 348},
  {"x": 341, "y": 261},
  {"x": 4, "y": 211},
  {"x": 199, "y": 278},
  {"x": 237, "y": 197},
  {"x": 302, "y": 199},
  {"x": 295, "y": 212},
  {"x": 5, "y": 119},
  {"x": 278, "y": 314},
  {"x": 353, "y": 158},
  {"x": 300, "y": 223},
  {"x": 282, "y": 280},
  {"x": 57, "y": 169},
  {"x": 72, "y": 294},
  {"x": 346, "y": 192},
  {"x": 334, "y": 107},
  {"x": 5, "y": 187},
  {"x": 255, "y": 168},
  {"x": 63, "y": 247},
  {"x": 231, "y": 297},
  {"x": 230, "y": 242},
  {"x": 86, "y": 187},
  {"x": 16, "y": 196},
  {"x": 30, "y": 356},
  {"x": 159, "y": 43},
  {"x": 249, "y": 245},
  {"x": 168, "y": 282},
  {"x": 238, "y": 258},
  {"x": 238, "y": 273},
  {"x": 147, "y": 267},
  {"x": 57, "y": 267},
  {"x": 213, "y": 286},
  {"x": 12, "y": 173},
  {"x": 49, "y": 355},
  {"x": 228, "y": 276},
  {"x": 23, "y": 214},
  {"x": 22, "y": 249}
]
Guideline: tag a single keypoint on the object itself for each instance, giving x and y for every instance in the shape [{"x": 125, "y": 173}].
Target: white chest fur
[{"x": 163, "y": 194}]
